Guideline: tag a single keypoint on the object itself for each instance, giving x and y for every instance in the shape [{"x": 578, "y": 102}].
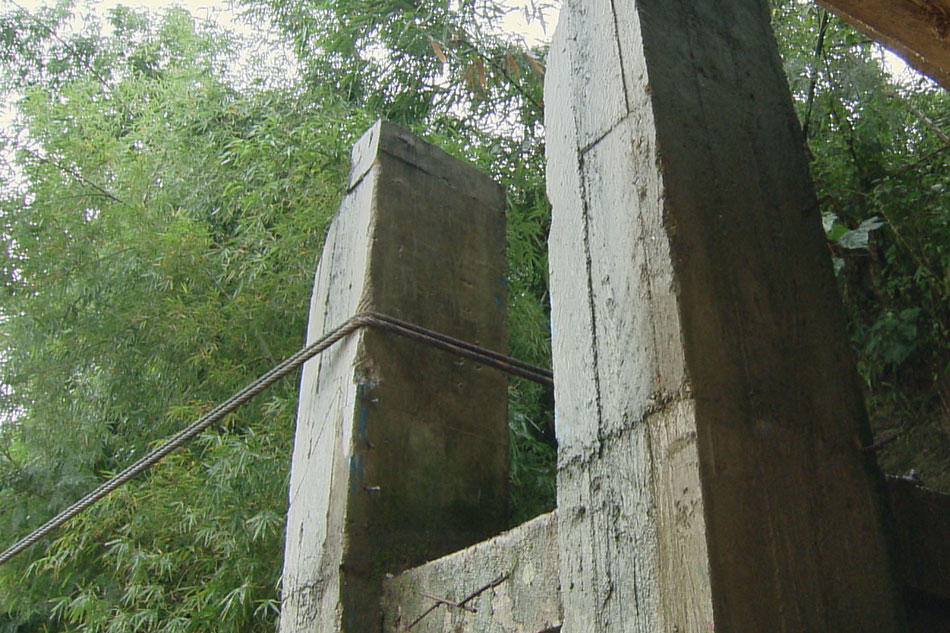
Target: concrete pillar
[
  {"x": 708, "y": 415},
  {"x": 401, "y": 451}
]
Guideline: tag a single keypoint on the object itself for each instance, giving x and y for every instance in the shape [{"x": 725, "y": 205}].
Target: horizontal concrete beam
[
  {"x": 528, "y": 555},
  {"x": 515, "y": 576},
  {"x": 917, "y": 30}
]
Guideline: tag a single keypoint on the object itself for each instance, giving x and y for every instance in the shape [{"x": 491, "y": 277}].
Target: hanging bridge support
[
  {"x": 708, "y": 413},
  {"x": 401, "y": 452}
]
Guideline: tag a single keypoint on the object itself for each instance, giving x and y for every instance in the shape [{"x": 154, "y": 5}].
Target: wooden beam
[{"x": 917, "y": 30}]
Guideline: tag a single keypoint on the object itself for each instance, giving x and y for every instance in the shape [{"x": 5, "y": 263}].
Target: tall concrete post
[
  {"x": 708, "y": 415},
  {"x": 401, "y": 451}
]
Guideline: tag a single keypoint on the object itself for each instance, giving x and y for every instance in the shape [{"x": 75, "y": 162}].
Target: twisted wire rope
[{"x": 362, "y": 319}]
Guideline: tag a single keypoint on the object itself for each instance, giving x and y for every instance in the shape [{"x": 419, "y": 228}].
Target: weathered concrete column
[
  {"x": 708, "y": 415},
  {"x": 401, "y": 450}
]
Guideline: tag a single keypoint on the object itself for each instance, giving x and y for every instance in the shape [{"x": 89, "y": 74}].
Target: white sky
[
  {"x": 221, "y": 12},
  {"x": 517, "y": 21},
  {"x": 218, "y": 10}
]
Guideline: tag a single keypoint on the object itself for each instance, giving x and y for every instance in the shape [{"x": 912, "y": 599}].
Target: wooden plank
[{"x": 917, "y": 30}]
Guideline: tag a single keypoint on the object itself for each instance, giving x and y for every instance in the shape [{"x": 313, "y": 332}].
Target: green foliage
[
  {"x": 881, "y": 153},
  {"x": 160, "y": 227},
  {"x": 440, "y": 69},
  {"x": 168, "y": 562},
  {"x": 160, "y": 232},
  {"x": 433, "y": 62}
]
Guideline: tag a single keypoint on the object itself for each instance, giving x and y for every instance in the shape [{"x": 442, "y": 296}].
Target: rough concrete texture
[
  {"x": 527, "y": 600},
  {"x": 914, "y": 29},
  {"x": 922, "y": 522},
  {"x": 401, "y": 450},
  {"x": 708, "y": 415}
]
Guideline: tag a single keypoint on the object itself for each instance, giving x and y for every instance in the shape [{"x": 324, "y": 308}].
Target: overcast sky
[{"x": 221, "y": 12}]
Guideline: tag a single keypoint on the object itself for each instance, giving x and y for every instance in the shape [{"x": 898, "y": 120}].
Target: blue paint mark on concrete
[
  {"x": 356, "y": 473},
  {"x": 361, "y": 423},
  {"x": 501, "y": 304}
]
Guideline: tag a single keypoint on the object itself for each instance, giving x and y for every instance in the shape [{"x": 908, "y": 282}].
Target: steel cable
[{"x": 359, "y": 320}]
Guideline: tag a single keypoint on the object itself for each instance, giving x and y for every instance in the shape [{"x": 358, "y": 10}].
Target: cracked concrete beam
[{"x": 528, "y": 600}]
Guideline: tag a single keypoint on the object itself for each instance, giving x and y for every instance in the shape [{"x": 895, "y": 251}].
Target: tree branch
[
  {"x": 920, "y": 115},
  {"x": 813, "y": 84},
  {"x": 922, "y": 160},
  {"x": 72, "y": 49},
  {"x": 78, "y": 177}
]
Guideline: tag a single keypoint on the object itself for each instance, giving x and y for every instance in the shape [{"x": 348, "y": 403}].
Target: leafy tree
[
  {"x": 156, "y": 259},
  {"x": 161, "y": 222},
  {"x": 160, "y": 233},
  {"x": 881, "y": 162},
  {"x": 443, "y": 70}
]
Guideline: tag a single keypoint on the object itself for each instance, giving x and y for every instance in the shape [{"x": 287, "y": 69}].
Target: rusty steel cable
[{"x": 362, "y": 319}]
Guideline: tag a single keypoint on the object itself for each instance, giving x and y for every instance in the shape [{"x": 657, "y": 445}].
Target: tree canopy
[
  {"x": 881, "y": 164},
  {"x": 161, "y": 221},
  {"x": 160, "y": 230}
]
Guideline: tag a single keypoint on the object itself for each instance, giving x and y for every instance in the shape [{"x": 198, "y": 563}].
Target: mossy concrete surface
[
  {"x": 708, "y": 416},
  {"x": 401, "y": 452}
]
